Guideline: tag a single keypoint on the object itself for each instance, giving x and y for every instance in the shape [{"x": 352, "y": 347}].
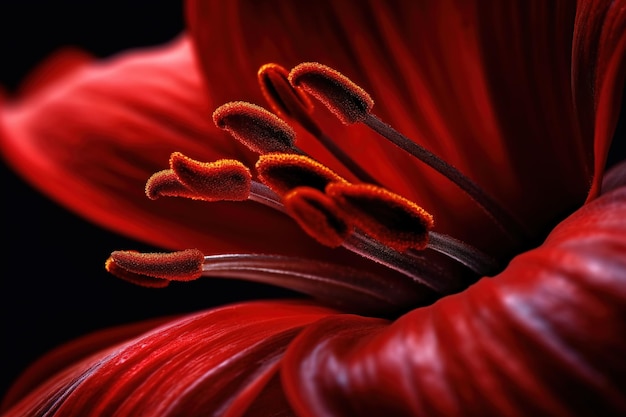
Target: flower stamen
[
  {"x": 351, "y": 104},
  {"x": 317, "y": 214},
  {"x": 285, "y": 100},
  {"x": 222, "y": 180},
  {"x": 417, "y": 266},
  {"x": 183, "y": 265},
  {"x": 387, "y": 217},
  {"x": 363, "y": 218},
  {"x": 253, "y": 126},
  {"x": 346, "y": 100},
  {"x": 284, "y": 172},
  {"x": 166, "y": 184},
  {"x": 333, "y": 284},
  {"x": 225, "y": 179},
  {"x": 410, "y": 263},
  {"x": 289, "y": 101},
  {"x": 477, "y": 261},
  {"x": 137, "y": 279}
]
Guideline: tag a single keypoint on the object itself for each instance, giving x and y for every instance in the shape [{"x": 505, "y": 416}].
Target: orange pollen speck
[
  {"x": 389, "y": 218},
  {"x": 284, "y": 172},
  {"x": 349, "y": 102},
  {"x": 184, "y": 265},
  {"x": 255, "y": 127}
]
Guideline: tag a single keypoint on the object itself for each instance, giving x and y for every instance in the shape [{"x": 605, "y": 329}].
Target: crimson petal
[
  {"x": 544, "y": 337},
  {"x": 201, "y": 364},
  {"x": 64, "y": 356},
  {"x": 614, "y": 178},
  {"x": 599, "y": 69}
]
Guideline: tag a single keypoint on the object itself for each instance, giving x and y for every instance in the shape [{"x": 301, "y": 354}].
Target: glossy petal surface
[
  {"x": 487, "y": 87},
  {"x": 544, "y": 337},
  {"x": 201, "y": 364},
  {"x": 70, "y": 353}
]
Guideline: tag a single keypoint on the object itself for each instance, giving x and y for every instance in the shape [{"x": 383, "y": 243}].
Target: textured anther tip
[
  {"x": 285, "y": 100},
  {"x": 137, "y": 279},
  {"x": 222, "y": 180},
  {"x": 166, "y": 184},
  {"x": 317, "y": 215},
  {"x": 284, "y": 172},
  {"x": 387, "y": 217},
  {"x": 349, "y": 102},
  {"x": 255, "y": 127},
  {"x": 184, "y": 265}
]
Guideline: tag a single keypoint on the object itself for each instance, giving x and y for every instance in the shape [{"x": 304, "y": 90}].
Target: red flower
[{"x": 521, "y": 97}]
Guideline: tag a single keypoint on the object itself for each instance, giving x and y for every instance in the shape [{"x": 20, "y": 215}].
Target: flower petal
[
  {"x": 599, "y": 70},
  {"x": 195, "y": 365},
  {"x": 545, "y": 337},
  {"x": 92, "y": 136},
  {"x": 70, "y": 353},
  {"x": 486, "y": 88},
  {"x": 614, "y": 178},
  {"x": 270, "y": 401}
]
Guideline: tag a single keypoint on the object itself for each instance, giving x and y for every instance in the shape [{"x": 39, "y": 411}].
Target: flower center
[{"x": 362, "y": 217}]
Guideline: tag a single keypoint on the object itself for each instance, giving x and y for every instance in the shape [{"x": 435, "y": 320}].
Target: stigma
[{"x": 357, "y": 214}]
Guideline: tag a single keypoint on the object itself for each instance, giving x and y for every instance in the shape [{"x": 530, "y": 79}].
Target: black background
[{"x": 53, "y": 286}]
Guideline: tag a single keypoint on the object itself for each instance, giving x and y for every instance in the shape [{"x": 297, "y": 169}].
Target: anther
[
  {"x": 283, "y": 172},
  {"x": 285, "y": 100},
  {"x": 225, "y": 179},
  {"x": 318, "y": 216},
  {"x": 387, "y": 217},
  {"x": 137, "y": 279},
  {"x": 255, "y": 127},
  {"x": 184, "y": 265},
  {"x": 349, "y": 102},
  {"x": 166, "y": 184}
]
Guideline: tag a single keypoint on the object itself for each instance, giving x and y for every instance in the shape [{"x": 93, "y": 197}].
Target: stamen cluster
[{"x": 363, "y": 217}]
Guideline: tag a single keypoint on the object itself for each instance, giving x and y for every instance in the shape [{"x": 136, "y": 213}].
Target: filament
[
  {"x": 502, "y": 219},
  {"x": 410, "y": 263},
  {"x": 331, "y": 282}
]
